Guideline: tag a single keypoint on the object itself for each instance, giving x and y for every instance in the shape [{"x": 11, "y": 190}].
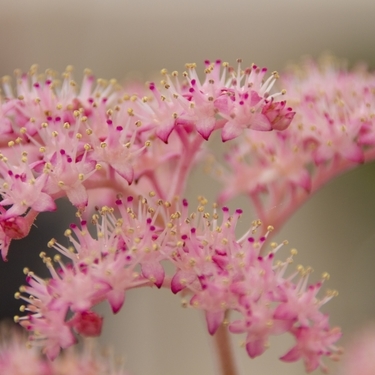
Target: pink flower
[
  {"x": 219, "y": 271},
  {"x": 241, "y": 98},
  {"x": 312, "y": 343},
  {"x": 50, "y": 332},
  {"x": 87, "y": 323},
  {"x": 18, "y": 358},
  {"x": 13, "y": 228},
  {"x": 331, "y": 132}
]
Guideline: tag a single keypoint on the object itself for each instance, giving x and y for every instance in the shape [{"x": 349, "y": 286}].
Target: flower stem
[
  {"x": 224, "y": 352},
  {"x": 187, "y": 160}
]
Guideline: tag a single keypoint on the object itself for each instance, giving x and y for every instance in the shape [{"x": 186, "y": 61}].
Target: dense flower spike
[
  {"x": 332, "y": 132},
  {"x": 219, "y": 271},
  {"x": 58, "y": 140}
]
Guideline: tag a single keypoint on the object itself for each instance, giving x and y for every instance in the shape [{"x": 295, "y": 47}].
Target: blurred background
[{"x": 130, "y": 39}]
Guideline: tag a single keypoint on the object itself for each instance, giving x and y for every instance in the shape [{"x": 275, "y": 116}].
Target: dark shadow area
[{"x": 25, "y": 253}]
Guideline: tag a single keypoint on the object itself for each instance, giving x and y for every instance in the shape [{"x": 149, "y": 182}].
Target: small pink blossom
[
  {"x": 87, "y": 323},
  {"x": 312, "y": 343}
]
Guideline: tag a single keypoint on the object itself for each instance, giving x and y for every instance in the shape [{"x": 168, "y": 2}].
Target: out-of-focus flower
[
  {"x": 333, "y": 131},
  {"x": 19, "y": 358},
  {"x": 16, "y": 358},
  {"x": 359, "y": 355}
]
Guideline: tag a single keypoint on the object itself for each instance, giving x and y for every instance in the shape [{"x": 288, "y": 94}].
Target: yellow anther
[
  {"x": 50, "y": 243},
  {"x": 332, "y": 293},
  {"x": 192, "y": 262},
  {"x": 300, "y": 268}
]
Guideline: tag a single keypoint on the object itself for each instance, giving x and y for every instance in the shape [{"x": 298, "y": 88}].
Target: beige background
[{"x": 334, "y": 232}]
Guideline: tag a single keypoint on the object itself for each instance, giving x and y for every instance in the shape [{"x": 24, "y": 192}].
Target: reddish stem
[{"x": 224, "y": 352}]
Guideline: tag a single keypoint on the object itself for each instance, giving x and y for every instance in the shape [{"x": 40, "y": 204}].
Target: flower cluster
[
  {"x": 16, "y": 358},
  {"x": 104, "y": 141},
  {"x": 333, "y": 131},
  {"x": 59, "y": 141},
  {"x": 220, "y": 272}
]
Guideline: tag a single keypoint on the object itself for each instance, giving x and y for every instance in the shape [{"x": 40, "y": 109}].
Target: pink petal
[
  {"x": 230, "y": 131},
  {"x": 256, "y": 347},
  {"x": 354, "y": 153},
  {"x": 77, "y": 195},
  {"x": 260, "y": 122},
  {"x": 293, "y": 355},
  {"x": 163, "y": 131},
  {"x": 284, "y": 312},
  {"x": 205, "y": 126},
  {"x": 116, "y": 299},
  {"x": 284, "y": 121},
  {"x": 181, "y": 279},
  {"x": 214, "y": 319},
  {"x": 303, "y": 180},
  {"x": 52, "y": 352},
  {"x": 44, "y": 203},
  {"x": 238, "y": 326},
  {"x": 124, "y": 170},
  {"x": 153, "y": 271}
]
